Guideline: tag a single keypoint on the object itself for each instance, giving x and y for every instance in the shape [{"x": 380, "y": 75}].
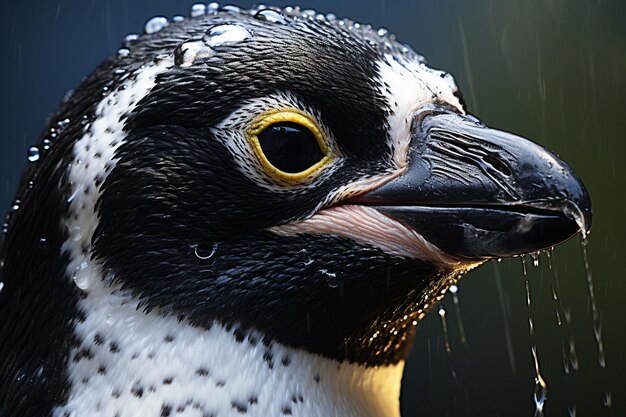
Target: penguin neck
[{"x": 146, "y": 363}]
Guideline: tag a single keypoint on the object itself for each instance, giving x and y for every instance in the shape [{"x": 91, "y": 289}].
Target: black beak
[{"x": 480, "y": 193}]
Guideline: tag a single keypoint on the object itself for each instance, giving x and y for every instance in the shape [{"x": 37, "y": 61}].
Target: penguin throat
[{"x": 133, "y": 362}]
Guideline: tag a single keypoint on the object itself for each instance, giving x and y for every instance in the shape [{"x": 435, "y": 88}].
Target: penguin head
[{"x": 298, "y": 175}]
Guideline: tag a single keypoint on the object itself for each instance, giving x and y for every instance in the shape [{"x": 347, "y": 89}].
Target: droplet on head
[
  {"x": 229, "y": 8},
  {"x": 212, "y": 8},
  {"x": 188, "y": 52},
  {"x": 33, "y": 154},
  {"x": 178, "y": 18},
  {"x": 270, "y": 15},
  {"x": 225, "y": 34},
  {"x": 131, "y": 38},
  {"x": 156, "y": 24},
  {"x": 198, "y": 9},
  {"x": 123, "y": 52}
]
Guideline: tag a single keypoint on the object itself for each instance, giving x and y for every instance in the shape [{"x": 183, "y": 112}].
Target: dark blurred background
[{"x": 551, "y": 70}]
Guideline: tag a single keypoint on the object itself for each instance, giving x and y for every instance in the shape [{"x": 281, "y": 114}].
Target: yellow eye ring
[{"x": 294, "y": 117}]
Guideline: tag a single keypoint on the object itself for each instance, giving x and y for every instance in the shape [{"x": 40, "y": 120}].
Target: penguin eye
[{"x": 289, "y": 145}]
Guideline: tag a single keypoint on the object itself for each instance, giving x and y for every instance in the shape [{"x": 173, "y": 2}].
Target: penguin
[{"x": 247, "y": 212}]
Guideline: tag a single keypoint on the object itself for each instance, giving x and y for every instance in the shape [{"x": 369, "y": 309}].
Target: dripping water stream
[
  {"x": 540, "y": 393},
  {"x": 575, "y": 213}
]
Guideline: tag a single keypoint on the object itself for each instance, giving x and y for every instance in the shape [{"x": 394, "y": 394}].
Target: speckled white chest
[{"x": 130, "y": 364}]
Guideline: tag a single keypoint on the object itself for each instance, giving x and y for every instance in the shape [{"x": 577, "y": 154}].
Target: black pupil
[{"x": 290, "y": 147}]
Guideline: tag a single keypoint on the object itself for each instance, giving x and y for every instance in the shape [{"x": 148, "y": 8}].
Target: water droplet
[
  {"x": 187, "y": 53},
  {"x": 160, "y": 57},
  {"x": 608, "y": 401},
  {"x": 81, "y": 276},
  {"x": 156, "y": 24},
  {"x": 131, "y": 38},
  {"x": 5, "y": 228},
  {"x": 270, "y": 16},
  {"x": 62, "y": 124},
  {"x": 198, "y": 9},
  {"x": 209, "y": 256},
  {"x": 1, "y": 286},
  {"x": 46, "y": 144},
  {"x": 178, "y": 18},
  {"x": 76, "y": 233},
  {"x": 33, "y": 154},
  {"x": 331, "y": 278},
  {"x": 382, "y": 32},
  {"x": 213, "y": 8},
  {"x": 229, "y": 8},
  {"x": 123, "y": 52},
  {"x": 540, "y": 395},
  {"x": 453, "y": 289},
  {"x": 110, "y": 320},
  {"x": 225, "y": 34}
]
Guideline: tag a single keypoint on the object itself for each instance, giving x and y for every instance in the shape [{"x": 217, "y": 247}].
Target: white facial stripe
[
  {"x": 408, "y": 85},
  {"x": 94, "y": 159},
  {"x": 368, "y": 226}
]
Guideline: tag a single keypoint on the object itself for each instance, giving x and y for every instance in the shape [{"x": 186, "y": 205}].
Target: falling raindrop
[
  {"x": 1, "y": 286},
  {"x": 444, "y": 324},
  {"x": 457, "y": 309},
  {"x": 442, "y": 314}
]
